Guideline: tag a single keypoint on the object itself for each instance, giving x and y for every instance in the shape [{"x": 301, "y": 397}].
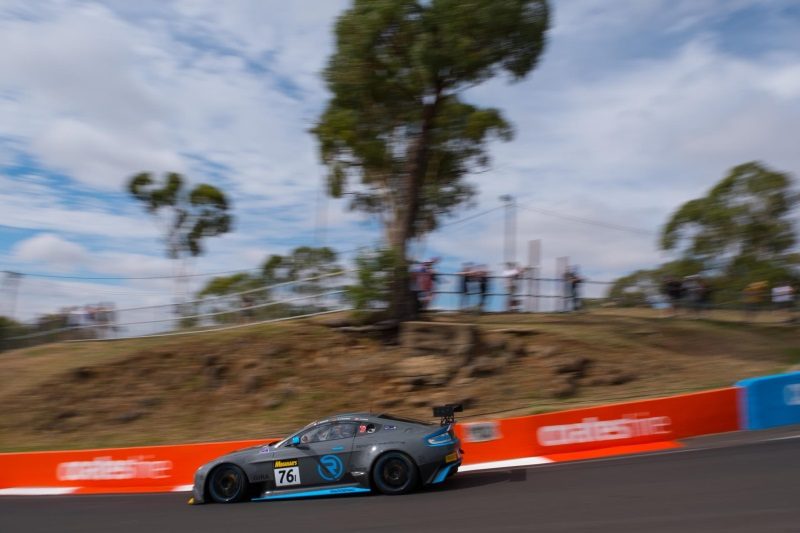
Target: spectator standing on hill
[
  {"x": 511, "y": 275},
  {"x": 692, "y": 291},
  {"x": 673, "y": 290},
  {"x": 483, "y": 286},
  {"x": 577, "y": 281},
  {"x": 706, "y": 295},
  {"x": 754, "y": 295},
  {"x": 783, "y": 298},
  {"x": 427, "y": 278},
  {"x": 465, "y": 284},
  {"x": 416, "y": 284},
  {"x": 572, "y": 283}
]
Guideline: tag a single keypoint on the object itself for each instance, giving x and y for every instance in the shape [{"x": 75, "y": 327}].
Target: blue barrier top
[{"x": 770, "y": 401}]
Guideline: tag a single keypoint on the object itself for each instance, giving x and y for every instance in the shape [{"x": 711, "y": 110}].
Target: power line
[
  {"x": 471, "y": 217},
  {"x": 120, "y": 278},
  {"x": 220, "y": 273},
  {"x": 538, "y": 210},
  {"x": 589, "y": 221}
]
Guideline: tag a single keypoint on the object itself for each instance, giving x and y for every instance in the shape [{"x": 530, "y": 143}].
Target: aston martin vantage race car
[{"x": 343, "y": 454}]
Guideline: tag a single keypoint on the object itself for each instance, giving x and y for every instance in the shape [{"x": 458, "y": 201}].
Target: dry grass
[{"x": 267, "y": 380}]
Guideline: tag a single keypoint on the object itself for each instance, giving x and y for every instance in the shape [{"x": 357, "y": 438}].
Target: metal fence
[
  {"x": 292, "y": 299},
  {"x": 527, "y": 293},
  {"x": 282, "y": 301}
]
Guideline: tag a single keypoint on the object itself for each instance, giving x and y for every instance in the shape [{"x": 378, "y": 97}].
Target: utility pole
[
  {"x": 10, "y": 288},
  {"x": 321, "y": 218},
  {"x": 534, "y": 260},
  {"x": 510, "y": 246}
]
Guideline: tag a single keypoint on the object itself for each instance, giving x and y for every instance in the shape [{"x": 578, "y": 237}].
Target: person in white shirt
[{"x": 783, "y": 297}]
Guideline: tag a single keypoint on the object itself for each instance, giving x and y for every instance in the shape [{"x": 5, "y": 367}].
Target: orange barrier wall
[
  {"x": 622, "y": 424},
  {"x": 167, "y": 468},
  {"x": 142, "y": 469}
]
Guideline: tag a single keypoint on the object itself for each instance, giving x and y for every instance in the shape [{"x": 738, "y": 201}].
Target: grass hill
[{"x": 267, "y": 380}]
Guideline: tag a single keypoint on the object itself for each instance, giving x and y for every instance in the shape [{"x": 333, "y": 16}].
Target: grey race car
[{"x": 343, "y": 454}]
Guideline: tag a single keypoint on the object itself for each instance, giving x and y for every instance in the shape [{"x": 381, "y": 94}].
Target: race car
[{"x": 342, "y": 454}]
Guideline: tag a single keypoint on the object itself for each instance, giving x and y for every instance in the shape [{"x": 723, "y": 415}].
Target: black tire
[
  {"x": 395, "y": 473},
  {"x": 228, "y": 483}
]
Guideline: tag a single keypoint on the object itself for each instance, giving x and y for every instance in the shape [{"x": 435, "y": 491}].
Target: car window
[
  {"x": 330, "y": 431},
  {"x": 367, "y": 428}
]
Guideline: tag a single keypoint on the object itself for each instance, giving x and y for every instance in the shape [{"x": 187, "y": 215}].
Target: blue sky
[{"x": 637, "y": 106}]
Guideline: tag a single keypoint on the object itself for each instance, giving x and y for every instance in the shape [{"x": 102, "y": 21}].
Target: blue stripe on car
[
  {"x": 442, "y": 475},
  {"x": 313, "y": 493}
]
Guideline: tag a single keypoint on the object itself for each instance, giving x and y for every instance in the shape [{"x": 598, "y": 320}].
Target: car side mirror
[{"x": 295, "y": 443}]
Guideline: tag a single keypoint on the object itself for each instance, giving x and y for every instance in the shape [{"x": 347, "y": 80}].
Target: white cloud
[
  {"x": 637, "y": 107},
  {"x": 53, "y": 251},
  {"x": 43, "y": 212},
  {"x": 99, "y": 158}
]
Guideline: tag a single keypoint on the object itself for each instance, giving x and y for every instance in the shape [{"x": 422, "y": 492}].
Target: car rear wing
[{"x": 447, "y": 413}]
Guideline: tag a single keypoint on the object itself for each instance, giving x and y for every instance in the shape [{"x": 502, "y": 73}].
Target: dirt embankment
[{"x": 268, "y": 380}]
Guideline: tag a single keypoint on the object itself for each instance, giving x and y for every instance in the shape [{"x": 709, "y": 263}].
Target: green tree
[
  {"x": 10, "y": 328},
  {"x": 741, "y": 231},
  {"x": 397, "y": 134},
  {"x": 302, "y": 264},
  {"x": 639, "y": 287},
  {"x": 235, "y": 283},
  {"x": 373, "y": 273},
  {"x": 186, "y": 217},
  {"x": 744, "y": 220}
]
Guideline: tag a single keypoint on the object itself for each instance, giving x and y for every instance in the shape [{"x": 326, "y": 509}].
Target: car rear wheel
[
  {"x": 227, "y": 484},
  {"x": 395, "y": 473}
]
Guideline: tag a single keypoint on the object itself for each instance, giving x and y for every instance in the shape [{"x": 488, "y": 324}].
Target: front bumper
[{"x": 198, "y": 490}]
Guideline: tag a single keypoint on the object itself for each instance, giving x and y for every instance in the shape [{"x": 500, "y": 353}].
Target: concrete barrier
[
  {"x": 770, "y": 401},
  {"x": 109, "y": 470},
  {"x": 636, "y": 423},
  {"x": 567, "y": 435}
]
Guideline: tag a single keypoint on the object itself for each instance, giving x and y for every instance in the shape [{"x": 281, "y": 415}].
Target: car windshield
[
  {"x": 283, "y": 442},
  {"x": 288, "y": 439}
]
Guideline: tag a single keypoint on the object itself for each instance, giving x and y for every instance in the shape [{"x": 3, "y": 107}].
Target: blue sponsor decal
[
  {"x": 770, "y": 401},
  {"x": 337, "y": 448},
  {"x": 330, "y": 468},
  {"x": 313, "y": 493},
  {"x": 389, "y": 428}
]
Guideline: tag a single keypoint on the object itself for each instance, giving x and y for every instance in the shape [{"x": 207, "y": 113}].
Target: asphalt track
[{"x": 752, "y": 487}]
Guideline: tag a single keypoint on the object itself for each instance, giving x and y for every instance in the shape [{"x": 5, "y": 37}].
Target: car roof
[{"x": 364, "y": 417}]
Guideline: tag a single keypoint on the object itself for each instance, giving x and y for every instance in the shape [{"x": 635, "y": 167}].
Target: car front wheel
[
  {"x": 227, "y": 484},
  {"x": 395, "y": 473}
]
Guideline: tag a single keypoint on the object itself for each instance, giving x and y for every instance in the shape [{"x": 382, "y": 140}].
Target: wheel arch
[
  {"x": 206, "y": 493},
  {"x": 386, "y": 452}
]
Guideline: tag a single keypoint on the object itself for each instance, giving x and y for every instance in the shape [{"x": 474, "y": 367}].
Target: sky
[{"x": 636, "y": 107}]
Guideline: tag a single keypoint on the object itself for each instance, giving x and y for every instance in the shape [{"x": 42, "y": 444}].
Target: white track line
[
  {"x": 37, "y": 491},
  {"x": 787, "y": 438},
  {"x": 524, "y": 461}
]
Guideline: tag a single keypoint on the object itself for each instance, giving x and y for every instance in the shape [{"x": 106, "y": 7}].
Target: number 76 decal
[{"x": 287, "y": 476}]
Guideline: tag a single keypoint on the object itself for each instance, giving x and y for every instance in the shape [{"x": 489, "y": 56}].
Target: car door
[{"x": 321, "y": 456}]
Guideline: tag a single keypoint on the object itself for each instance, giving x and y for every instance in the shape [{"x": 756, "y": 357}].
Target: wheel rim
[
  {"x": 395, "y": 473},
  {"x": 227, "y": 484}
]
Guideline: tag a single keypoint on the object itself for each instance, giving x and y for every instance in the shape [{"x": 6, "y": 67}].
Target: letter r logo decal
[{"x": 330, "y": 468}]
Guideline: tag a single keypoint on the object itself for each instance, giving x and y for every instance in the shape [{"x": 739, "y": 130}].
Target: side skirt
[{"x": 311, "y": 493}]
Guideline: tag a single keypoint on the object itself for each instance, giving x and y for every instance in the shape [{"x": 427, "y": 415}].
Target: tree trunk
[{"x": 403, "y": 305}]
